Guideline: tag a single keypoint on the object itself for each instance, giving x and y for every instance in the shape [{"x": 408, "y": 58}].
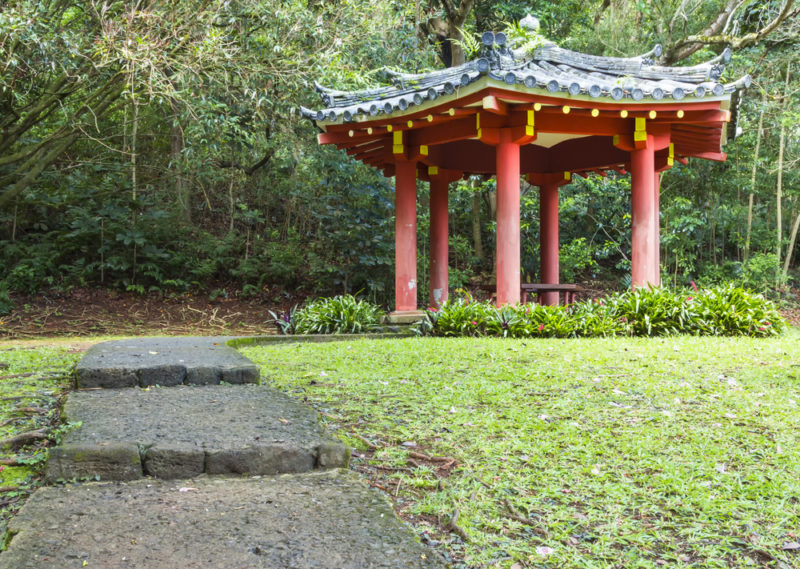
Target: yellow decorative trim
[
  {"x": 451, "y": 111},
  {"x": 369, "y": 130},
  {"x": 565, "y": 109},
  {"x": 389, "y": 128},
  {"x": 433, "y": 170},
  {"x": 537, "y": 106},
  {"x": 652, "y": 114},
  {"x": 423, "y": 150},
  {"x": 671, "y": 157},
  {"x": 478, "y": 121},
  {"x": 623, "y": 113},
  {"x": 479, "y": 134},
  {"x": 615, "y": 140},
  {"x": 430, "y": 118},
  {"x": 529, "y": 130},
  {"x": 568, "y": 176},
  {"x": 410, "y": 124},
  {"x": 397, "y": 139},
  {"x": 640, "y": 132},
  {"x": 351, "y": 133},
  {"x": 595, "y": 112},
  {"x": 680, "y": 113}
]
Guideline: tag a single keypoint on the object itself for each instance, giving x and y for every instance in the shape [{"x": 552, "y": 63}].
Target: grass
[
  {"x": 646, "y": 453},
  {"x": 32, "y": 382}
]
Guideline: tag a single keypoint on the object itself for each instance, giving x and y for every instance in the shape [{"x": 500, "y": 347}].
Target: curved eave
[{"x": 471, "y": 96}]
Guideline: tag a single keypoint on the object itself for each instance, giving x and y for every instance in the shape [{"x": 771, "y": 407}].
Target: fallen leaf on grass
[
  {"x": 791, "y": 546},
  {"x": 186, "y": 489}
]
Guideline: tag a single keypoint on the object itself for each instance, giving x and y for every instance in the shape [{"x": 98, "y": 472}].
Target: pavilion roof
[{"x": 548, "y": 70}]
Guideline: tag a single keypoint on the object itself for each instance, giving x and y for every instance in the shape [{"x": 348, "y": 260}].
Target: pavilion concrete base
[{"x": 405, "y": 317}]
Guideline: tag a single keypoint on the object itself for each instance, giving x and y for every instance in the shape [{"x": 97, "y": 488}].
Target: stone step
[
  {"x": 143, "y": 362},
  {"x": 327, "y": 520},
  {"x": 180, "y": 432}
]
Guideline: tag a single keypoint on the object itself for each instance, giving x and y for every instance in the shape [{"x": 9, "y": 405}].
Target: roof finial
[{"x": 529, "y": 23}]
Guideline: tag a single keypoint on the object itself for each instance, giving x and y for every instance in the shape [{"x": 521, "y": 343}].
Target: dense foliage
[
  {"x": 157, "y": 146},
  {"x": 343, "y": 314},
  {"x": 656, "y": 311}
]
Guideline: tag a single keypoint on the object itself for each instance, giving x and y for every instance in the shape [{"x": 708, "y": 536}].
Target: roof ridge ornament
[
  {"x": 495, "y": 51},
  {"x": 529, "y": 23}
]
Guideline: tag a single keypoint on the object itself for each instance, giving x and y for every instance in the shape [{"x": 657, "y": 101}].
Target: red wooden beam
[{"x": 585, "y": 154}]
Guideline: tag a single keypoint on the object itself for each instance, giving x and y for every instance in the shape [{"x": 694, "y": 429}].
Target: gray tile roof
[{"x": 549, "y": 69}]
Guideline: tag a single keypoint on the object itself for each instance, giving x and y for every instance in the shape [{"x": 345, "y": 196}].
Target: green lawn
[
  {"x": 32, "y": 381},
  {"x": 669, "y": 452}
]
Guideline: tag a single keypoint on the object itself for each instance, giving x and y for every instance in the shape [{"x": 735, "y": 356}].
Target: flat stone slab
[
  {"x": 322, "y": 520},
  {"x": 185, "y": 431},
  {"x": 143, "y": 362}
]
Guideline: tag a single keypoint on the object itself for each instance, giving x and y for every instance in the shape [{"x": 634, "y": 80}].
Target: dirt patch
[
  {"x": 93, "y": 312},
  {"x": 67, "y": 319}
]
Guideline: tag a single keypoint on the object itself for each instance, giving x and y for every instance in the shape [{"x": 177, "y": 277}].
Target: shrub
[
  {"x": 761, "y": 272},
  {"x": 732, "y": 311},
  {"x": 6, "y": 304},
  {"x": 286, "y": 322},
  {"x": 597, "y": 319},
  {"x": 338, "y": 315},
  {"x": 460, "y": 317},
  {"x": 652, "y": 311}
]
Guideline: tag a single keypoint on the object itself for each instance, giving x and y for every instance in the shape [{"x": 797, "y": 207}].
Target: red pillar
[
  {"x": 508, "y": 244},
  {"x": 405, "y": 240},
  {"x": 657, "y": 230},
  {"x": 439, "y": 240},
  {"x": 548, "y": 238},
  {"x": 643, "y": 215}
]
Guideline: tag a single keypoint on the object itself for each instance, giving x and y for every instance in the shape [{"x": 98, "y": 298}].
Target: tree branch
[{"x": 712, "y": 34}]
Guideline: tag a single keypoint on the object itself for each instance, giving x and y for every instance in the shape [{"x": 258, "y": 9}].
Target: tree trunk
[
  {"x": 176, "y": 160},
  {"x": 790, "y": 250},
  {"x": 759, "y": 134},
  {"x": 779, "y": 189},
  {"x": 134, "y": 132}
]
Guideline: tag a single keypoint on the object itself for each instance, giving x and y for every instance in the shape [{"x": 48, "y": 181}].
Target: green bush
[
  {"x": 761, "y": 272},
  {"x": 597, "y": 319},
  {"x": 652, "y": 311},
  {"x": 285, "y": 322},
  {"x": 733, "y": 311},
  {"x": 6, "y": 304},
  {"x": 461, "y": 317},
  {"x": 338, "y": 315}
]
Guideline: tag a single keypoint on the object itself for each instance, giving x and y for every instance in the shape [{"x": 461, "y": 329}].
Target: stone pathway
[{"x": 200, "y": 476}]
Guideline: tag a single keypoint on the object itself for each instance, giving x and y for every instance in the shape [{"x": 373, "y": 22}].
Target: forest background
[{"x": 155, "y": 146}]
